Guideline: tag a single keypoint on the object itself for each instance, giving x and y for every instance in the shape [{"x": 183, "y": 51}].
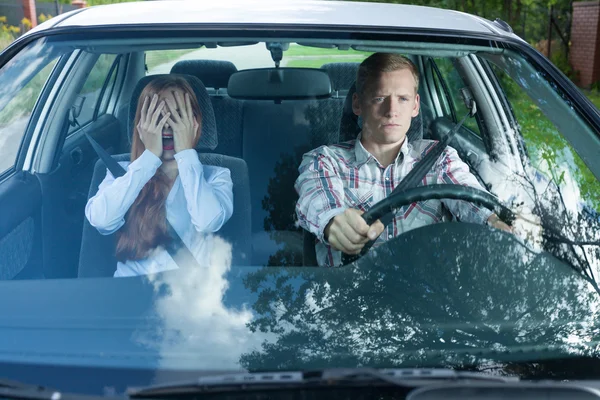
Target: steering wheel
[{"x": 386, "y": 208}]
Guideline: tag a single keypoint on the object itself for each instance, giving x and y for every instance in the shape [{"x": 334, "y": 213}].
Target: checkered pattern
[{"x": 345, "y": 175}]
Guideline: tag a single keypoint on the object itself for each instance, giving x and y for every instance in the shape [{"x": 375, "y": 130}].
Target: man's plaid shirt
[{"x": 334, "y": 178}]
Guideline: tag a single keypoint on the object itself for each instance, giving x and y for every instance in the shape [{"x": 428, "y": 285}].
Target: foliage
[
  {"x": 7, "y": 32},
  {"x": 528, "y": 18},
  {"x": 43, "y": 17},
  {"x": 26, "y": 24},
  {"x": 546, "y": 146}
]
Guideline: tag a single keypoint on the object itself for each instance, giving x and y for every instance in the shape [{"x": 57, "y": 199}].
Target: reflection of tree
[
  {"x": 448, "y": 295},
  {"x": 322, "y": 119},
  {"x": 571, "y": 235},
  {"x": 280, "y": 203}
]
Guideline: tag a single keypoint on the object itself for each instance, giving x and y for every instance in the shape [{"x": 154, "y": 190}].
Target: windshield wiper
[
  {"x": 17, "y": 390},
  {"x": 259, "y": 381}
]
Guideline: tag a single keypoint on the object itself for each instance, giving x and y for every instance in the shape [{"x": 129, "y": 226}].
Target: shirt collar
[{"x": 363, "y": 156}]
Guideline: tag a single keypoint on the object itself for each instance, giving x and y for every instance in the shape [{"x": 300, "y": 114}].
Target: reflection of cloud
[{"x": 197, "y": 331}]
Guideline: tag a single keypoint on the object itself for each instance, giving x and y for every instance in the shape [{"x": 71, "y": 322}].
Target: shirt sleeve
[
  {"x": 106, "y": 210},
  {"x": 452, "y": 170},
  {"x": 208, "y": 192},
  {"x": 321, "y": 193}
]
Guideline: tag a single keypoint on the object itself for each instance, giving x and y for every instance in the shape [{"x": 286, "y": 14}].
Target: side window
[
  {"x": 14, "y": 117},
  {"x": 448, "y": 81},
  {"x": 548, "y": 150},
  {"x": 92, "y": 100}
]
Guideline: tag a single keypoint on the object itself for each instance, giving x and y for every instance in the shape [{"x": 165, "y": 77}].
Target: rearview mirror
[{"x": 280, "y": 84}]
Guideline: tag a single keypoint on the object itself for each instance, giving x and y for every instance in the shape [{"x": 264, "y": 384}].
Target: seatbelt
[
  {"x": 182, "y": 255},
  {"x": 414, "y": 177}
]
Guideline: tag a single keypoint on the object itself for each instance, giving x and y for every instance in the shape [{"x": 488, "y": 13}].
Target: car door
[
  {"x": 26, "y": 79},
  {"x": 65, "y": 189}
]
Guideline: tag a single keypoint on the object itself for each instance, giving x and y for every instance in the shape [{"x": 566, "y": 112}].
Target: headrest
[
  {"x": 208, "y": 138},
  {"x": 342, "y": 75},
  {"x": 350, "y": 125},
  {"x": 213, "y": 73}
]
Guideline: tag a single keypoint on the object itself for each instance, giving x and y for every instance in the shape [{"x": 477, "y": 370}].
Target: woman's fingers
[
  {"x": 173, "y": 109},
  {"x": 188, "y": 107},
  {"x": 173, "y": 124},
  {"x": 181, "y": 106},
  {"x": 163, "y": 121},
  {"x": 144, "y": 110},
  {"x": 151, "y": 106},
  {"x": 156, "y": 114}
]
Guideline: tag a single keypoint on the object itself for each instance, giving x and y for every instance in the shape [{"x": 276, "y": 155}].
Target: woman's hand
[
  {"x": 149, "y": 129},
  {"x": 185, "y": 126}
]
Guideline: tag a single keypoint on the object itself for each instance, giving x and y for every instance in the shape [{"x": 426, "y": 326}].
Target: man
[{"x": 338, "y": 183}]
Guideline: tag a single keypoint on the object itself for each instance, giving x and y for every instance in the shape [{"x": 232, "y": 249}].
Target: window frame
[
  {"x": 113, "y": 70},
  {"x": 41, "y": 107}
]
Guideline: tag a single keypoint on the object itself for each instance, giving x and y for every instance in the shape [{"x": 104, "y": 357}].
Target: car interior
[
  {"x": 242, "y": 128},
  {"x": 260, "y": 141}
]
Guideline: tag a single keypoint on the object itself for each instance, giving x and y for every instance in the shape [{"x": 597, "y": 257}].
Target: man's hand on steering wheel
[
  {"x": 495, "y": 221},
  {"x": 348, "y": 232}
]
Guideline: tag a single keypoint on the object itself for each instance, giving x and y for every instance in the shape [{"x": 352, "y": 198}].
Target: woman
[{"x": 165, "y": 180}]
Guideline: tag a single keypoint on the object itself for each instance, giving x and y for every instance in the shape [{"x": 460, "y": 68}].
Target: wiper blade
[{"x": 321, "y": 378}]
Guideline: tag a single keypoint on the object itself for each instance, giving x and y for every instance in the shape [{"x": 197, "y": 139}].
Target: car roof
[{"x": 289, "y": 12}]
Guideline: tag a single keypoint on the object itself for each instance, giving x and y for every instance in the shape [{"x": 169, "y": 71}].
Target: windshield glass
[{"x": 194, "y": 203}]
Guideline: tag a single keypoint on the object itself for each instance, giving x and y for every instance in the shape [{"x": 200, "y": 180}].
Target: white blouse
[{"x": 199, "y": 203}]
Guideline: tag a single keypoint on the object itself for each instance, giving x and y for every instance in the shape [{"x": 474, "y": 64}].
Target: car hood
[{"x": 451, "y": 295}]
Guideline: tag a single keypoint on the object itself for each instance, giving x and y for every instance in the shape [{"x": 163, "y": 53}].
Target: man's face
[{"x": 387, "y": 106}]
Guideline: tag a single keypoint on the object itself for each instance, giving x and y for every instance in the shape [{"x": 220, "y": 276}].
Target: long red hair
[{"x": 146, "y": 221}]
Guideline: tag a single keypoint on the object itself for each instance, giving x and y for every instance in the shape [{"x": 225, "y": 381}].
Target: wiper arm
[{"x": 322, "y": 378}]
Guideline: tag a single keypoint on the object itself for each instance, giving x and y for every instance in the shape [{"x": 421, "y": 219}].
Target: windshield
[{"x": 227, "y": 232}]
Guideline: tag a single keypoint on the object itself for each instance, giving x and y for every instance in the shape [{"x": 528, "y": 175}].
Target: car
[{"x": 453, "y": 303}]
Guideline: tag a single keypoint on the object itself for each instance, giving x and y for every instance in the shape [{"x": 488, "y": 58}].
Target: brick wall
[
  {"x": 584, "y": 53},
  {"x": 30, "y": 11}
]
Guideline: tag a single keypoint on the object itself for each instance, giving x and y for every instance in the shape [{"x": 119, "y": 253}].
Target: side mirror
[
  {"x": 469, "y": 100},
  {"x": 75, "y": 110}
]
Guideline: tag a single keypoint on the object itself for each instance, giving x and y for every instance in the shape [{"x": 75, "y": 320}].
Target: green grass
[
  {"x": 594, "y": 96},
  {"x": 156, "y": 58},
  {"x": 98, "y": 74},
  {"x": 22, "y": 104},
  {"x": 297, "y": 50},
  {"x": 317, "y": 62}
]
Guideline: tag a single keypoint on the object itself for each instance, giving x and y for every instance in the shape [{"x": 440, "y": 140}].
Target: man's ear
[
  {"x": 417, "y": 107},
  {"x": 356, "y": 104}
]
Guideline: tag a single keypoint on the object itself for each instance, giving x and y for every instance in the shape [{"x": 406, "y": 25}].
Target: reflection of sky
[
  {"x": 202, "y": 318},
  {"x": 17, "y": 72}
]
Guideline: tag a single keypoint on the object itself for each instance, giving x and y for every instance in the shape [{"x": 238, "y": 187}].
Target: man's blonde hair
[{"x": 377, "y": 63}]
